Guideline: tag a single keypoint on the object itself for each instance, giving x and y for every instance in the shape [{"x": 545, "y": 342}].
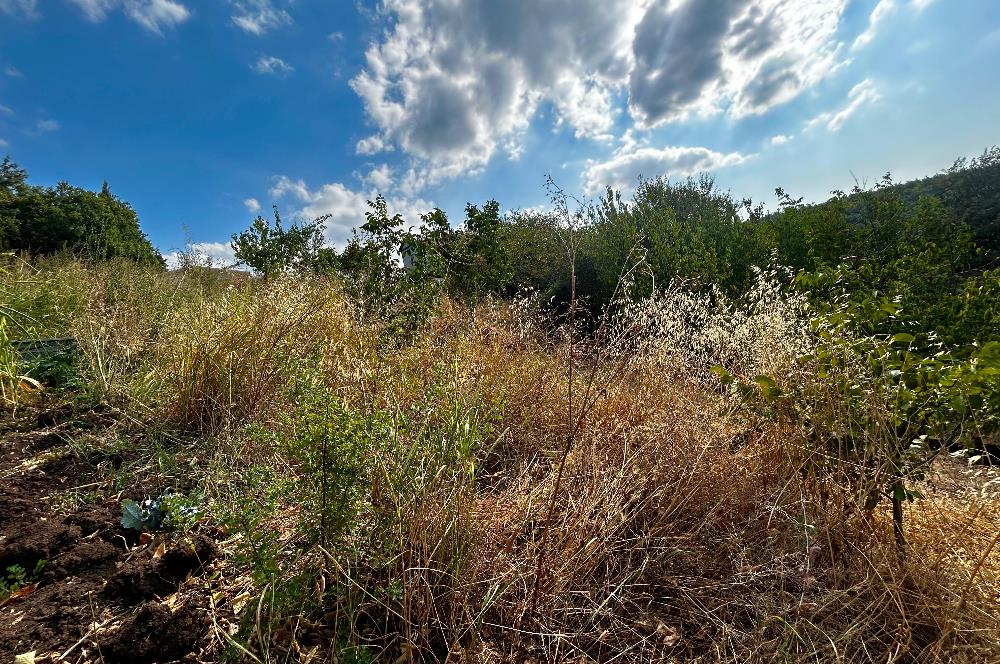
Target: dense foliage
[
  {"x": 271, "y": 249},
  {"x": 906, "y": 315},
  {"x": 48, "y": 220},
  {"x": 970, "y": 188},
  {"x": 672, "y": 428}
]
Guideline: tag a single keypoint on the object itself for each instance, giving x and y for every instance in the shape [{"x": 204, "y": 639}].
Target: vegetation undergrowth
[
  {"x": 673, "y": 429},
  {"x": 390, "y": 500}
]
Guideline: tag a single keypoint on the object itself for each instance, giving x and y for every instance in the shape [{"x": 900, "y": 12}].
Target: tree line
[
  {"x": 929, "y": 245},
  {"x": 43, "y": 221},
  {"x": 925, "y": 245}
]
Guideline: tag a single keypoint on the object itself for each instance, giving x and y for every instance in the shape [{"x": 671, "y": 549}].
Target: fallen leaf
[
  {"x": 23, "y": 591},
  {"x": 239, "y": 602},
  {"x": 160, "y": 550},
  {"x": 668, "y": 635},
  {"x": 145, "y": 538},
  {"x": 25, "y": 658}
]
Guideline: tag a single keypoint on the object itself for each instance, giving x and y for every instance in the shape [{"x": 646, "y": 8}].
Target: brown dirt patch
[{"x": 99, "y": 590}]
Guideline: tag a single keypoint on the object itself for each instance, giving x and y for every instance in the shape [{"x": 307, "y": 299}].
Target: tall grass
[{"x": 397, "y": 495}]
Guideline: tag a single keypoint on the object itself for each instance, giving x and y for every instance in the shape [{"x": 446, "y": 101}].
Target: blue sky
[{"x": 200, "y": 111}]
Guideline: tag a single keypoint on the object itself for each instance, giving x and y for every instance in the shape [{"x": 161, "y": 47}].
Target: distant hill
[{"x": 971, "y": 190}]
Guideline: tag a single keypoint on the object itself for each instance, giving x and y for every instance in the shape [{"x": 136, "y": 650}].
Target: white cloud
[
  {"x": 741, "y": 57},
  {"x": 622, "y": 170},
  {"x": 215, "y": 254},
  {"x": 372, "y": 145},
  {"x": 345, "y": 206},
  {"x": 285, "y": 186},
  {"x": 25, "y": 8},
  {"x": 44, "y": 126},
  {"x": 881, "y": 12},
  {"x": 154, "y": 15},
  {"x": 259, "y": 16},
  {"x": 222, "y": 251},
  {"x": 780, "y": 139},
  {"x": 13, "y": 72},
  {"x": 380, "y": 178},
  {"x": 454, "y": 82},
  {"x": 95, "y": 10},
  {"x": 252, "y": 205},
  {"x": 6, "y": 110},
  {"x": 269, "y": 64},
  {"x": 629, "y": 141},
  {"x": 862, "y": 94}
]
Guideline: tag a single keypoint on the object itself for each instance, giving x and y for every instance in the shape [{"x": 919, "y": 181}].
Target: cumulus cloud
[
  {"x": 861, "y": 95},
  {"x": 622, "y": 171},
  {"x": 780, "y": 139},
  {"x": 454, "y": 82},
  {"x": 252, "y": 205},
  {"x": 203, "y": 253},
  {"x": 345, "y": 206},
  {"x": 380, "y": 178},
  {"x": 259, "y": 16},
  {"x": 372, "y": 145},
  {"x": 154, "y": 15},
  {"x": 451, "y": 83},
  {"x": 269, "y": 64}
]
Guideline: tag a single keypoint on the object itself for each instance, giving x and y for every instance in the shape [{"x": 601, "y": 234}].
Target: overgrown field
[{"x": 686, "y": 478}]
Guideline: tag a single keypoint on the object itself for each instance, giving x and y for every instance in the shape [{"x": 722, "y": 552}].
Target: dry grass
[
  {"x": 680, "y": 530},
  {"x": 666, "y": 543}
]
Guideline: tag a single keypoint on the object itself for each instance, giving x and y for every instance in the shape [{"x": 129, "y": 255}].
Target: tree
[
  {"x": 47, "y": 220},
  {"x": 271, "y": 249},
  {"x": 401, "y": 298}
]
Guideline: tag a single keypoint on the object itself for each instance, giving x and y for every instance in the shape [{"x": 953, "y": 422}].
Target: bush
[{"x": 231, "y": 359}]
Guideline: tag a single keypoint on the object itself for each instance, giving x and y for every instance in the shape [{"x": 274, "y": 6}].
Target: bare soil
[{"x": 103, "y": 593}]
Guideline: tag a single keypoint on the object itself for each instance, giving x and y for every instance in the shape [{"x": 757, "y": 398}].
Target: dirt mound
[
  {"x": 155, "y": 633},
  {"x": 159, "y": 575},
  {"x": 85, "y": 581}
]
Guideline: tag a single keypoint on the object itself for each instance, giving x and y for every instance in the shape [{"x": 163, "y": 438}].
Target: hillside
[{"x": 970, "y": 189}]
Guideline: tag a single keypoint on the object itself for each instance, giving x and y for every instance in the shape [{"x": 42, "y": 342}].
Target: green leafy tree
[
  {"x": 393, "y": 274},
  {"x": 48, "y": 220},
  {"x": 900, "y": 396},
  {"x": 485, "y": 264},
  {"x": 270, "y": 249}
]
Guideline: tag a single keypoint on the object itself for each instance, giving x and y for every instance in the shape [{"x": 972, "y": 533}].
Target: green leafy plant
[
  {"x": 270, "y": 249},
  {"x": 13, "y": 382},
  {"x": 145, "y": 516},
  {"x": 169, "y": 510},
  {"x": 898, "y": 398}
]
